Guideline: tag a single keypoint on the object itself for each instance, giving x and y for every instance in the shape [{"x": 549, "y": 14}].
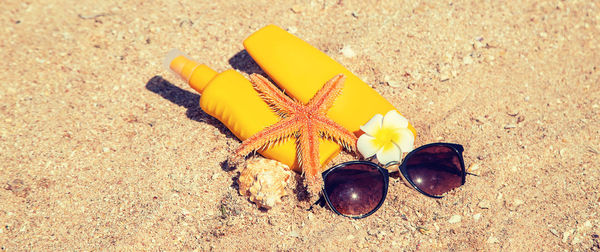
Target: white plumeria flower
[{"x": 387, "y": 137}]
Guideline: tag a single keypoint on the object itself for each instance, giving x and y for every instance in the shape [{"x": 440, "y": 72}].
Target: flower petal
[
  {"x": 373, "y": 125},
  {"x": 366, "y": 146},
  {"x": 405, "y": 140},
  {"x": 386, "y": 155},
  {"x": 393, "y": 119}
]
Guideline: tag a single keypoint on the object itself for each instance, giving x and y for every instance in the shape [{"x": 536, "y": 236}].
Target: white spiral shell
[{"x": 264, "y": 181}]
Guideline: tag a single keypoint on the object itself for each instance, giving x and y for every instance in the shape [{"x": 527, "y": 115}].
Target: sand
[{"x": 103, "y": 149}]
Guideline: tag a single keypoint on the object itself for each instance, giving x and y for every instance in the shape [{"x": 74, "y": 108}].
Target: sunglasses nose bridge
[{"x": 393, "y": 166}]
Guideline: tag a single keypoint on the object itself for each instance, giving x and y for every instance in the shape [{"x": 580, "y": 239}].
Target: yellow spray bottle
[
  {"x": 301, "y": 70},
  {"x": 231, "y": 98}
]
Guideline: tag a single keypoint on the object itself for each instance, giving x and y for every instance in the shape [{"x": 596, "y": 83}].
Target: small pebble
[
  {"x": 554, "y": 232},
  {"x": 311, "y": 216},
  {"x": 473, "y": 167},
  {"x": 105, "y": 149},
  {"x": 562, "y": 152},
  {"x": 566, "y": 235},
  {"x": 484, "y": 204},
  {"x": 576, "y": 240},
  {"x": 476, "y": 216},
  {"x": 513, "y": 113},
  {"x": 349, "y": 237},
  {"x": 292, "y": 29},
  {"x": 415, "y": 75},
  {"x": 492, "y": 239},
  {"x": 467, "y": 60},
  {"x": 444, "y": 76},
  {"x": 348, "y": 52},
  {"x": 423, "y": 230},
  {"x": 518, "y": 202},
  {"x": 455, "y": 219},
  {"x": 478, "y": 44},
  {"x": 448, "y": 56},
  {"x": 185, "y": 211},
  {"x": 419, "y": 214},
  {"x": 393, "y": 83},
  {"x": 297, "y": 8},
  {"x": 294, "y": 234}
]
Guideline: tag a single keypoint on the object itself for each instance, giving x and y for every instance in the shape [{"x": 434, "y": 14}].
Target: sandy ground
[{"x": 101, "y": 148}]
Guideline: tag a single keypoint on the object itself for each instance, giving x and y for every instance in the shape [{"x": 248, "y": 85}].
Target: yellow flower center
[{"x": 384, "y": 138}]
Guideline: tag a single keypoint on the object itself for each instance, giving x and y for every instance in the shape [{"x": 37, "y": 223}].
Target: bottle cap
[{"x": 197, "y": 75}]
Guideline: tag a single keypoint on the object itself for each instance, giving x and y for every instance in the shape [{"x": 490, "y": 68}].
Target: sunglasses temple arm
[
  {"x": 320, "y": 202},
  {"x": 472, "y": 174}
]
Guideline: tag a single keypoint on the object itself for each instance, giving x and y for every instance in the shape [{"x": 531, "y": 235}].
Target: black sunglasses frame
[
  {"x": 386, "y": 180},
  {"x": 457, "y": 148}
]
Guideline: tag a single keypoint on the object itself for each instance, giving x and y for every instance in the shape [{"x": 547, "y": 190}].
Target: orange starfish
[{"x": 307, "y": 123}]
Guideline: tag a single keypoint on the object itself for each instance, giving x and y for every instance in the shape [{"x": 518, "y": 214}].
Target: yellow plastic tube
[
  {"x": 301, "y": 70},
  {"x": 231, "y": 98}
]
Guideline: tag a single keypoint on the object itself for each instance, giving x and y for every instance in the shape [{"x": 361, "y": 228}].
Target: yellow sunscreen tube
[
  {"x": 231, "y": 98},
  {"x": 301, "y": 70}
]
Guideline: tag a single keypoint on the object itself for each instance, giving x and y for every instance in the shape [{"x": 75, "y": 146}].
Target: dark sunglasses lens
[
  {"x": 435, "y": 170},
  {"x": 355, "y": 189}
]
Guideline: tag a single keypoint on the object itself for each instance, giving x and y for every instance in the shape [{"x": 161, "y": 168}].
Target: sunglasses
[{"x": 357, "y": 189}]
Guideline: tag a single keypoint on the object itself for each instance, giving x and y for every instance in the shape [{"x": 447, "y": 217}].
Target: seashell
[{"x": 264, "y": 181}]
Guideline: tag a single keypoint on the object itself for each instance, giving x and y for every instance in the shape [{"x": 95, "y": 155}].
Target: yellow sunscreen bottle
[
  {"x": 231, "y": 98},
  {"x": 301, "y": 70}
]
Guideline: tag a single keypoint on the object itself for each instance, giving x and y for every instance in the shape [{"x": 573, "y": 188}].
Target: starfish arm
[
  {"x": 282, "y": 103},
  {"x": 308, "y": 157},
  {"x": 308, "y": 123},
  {"x": 264, "y": 138},
  {"x": 330, "y": 129},
  {"x": 325, "y": 97}
]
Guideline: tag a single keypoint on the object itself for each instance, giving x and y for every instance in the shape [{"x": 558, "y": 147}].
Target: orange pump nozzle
[{"x": 197, "y": 75}]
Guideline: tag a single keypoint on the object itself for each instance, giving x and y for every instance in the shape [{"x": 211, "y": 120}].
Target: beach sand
[{"x": 101, "y": 148}]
